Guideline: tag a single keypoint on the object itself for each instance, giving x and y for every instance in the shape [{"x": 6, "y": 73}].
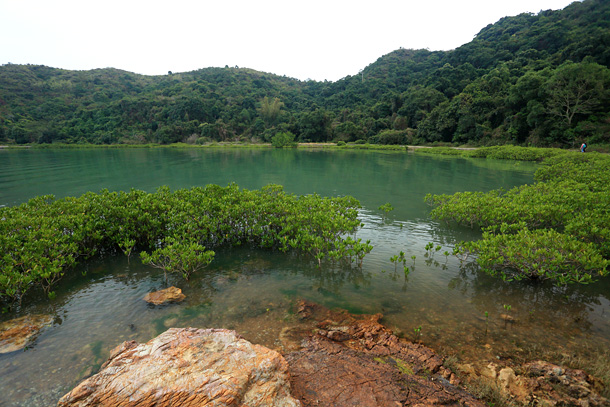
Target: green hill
[{"x": 539, "y": 79}]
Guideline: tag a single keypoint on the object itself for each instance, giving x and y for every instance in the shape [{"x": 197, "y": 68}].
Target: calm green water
[{"x": 253, "y": 291}]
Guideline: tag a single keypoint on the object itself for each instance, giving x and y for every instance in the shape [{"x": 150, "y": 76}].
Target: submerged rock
[
  {"x": 17, "y": 333},
  {"x": 507, "y": 318},
  {"x": 188, "y": 367},
  {"x": 171, "y": 294}
]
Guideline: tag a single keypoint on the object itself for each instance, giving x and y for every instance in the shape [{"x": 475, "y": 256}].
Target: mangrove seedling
[
  {"x": 417, "y": 333},
  {"x": 126, "y": 247},
  {"x": 429, "y": 248},
  {"x": 386, "y": 207},
  {"x": 399, "y": 258},
  {"x": 394, "y": 259}
]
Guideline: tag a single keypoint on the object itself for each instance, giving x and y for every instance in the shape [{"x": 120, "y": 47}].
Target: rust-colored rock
[
  {"x": 356, "y": 361},
  {"x": 188, "y": 367},
  {"x": 171, "y": 294},
  {"x": 326, "y": 374},
  {"x": 17, "y": 333}
]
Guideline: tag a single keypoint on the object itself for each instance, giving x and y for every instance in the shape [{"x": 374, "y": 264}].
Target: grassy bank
[{"x": 506, "y": 152}]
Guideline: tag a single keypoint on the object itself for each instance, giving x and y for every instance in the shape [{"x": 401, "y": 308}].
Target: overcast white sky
[{"x": 313, "y": 39}]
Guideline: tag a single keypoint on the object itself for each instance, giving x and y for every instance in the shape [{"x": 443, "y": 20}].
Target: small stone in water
[
  {"x": 171, "y": 294},
  {"x": 507, "y": 318}
]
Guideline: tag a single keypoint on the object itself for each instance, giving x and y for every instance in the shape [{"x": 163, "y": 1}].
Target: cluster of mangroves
[
  {"x": 557, "y": 228},
  {"x": 44, "y": 238}
]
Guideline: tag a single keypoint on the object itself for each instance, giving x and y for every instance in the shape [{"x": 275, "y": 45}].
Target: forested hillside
[{"x": 536, "y": 79}]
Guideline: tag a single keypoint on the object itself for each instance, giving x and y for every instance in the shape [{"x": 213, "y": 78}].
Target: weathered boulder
[
  {"x": 17, "y": 333},
  {"x": 357, "y": 361},
  {"x": 171, "y": 294},
  {"x": 188, "y": 367}
]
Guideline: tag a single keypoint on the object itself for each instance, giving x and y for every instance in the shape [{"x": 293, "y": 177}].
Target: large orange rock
[{"x": 188, "y": 367}]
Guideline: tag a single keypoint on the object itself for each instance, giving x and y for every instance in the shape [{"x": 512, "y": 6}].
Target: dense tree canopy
[{"x": 538, "y": 79}]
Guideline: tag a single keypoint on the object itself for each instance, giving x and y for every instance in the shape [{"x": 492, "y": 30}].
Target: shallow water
[{"x": 254, "y": 291}]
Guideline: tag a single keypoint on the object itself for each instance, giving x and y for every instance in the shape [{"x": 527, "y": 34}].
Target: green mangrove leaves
[{"x": 174, "y": 231}]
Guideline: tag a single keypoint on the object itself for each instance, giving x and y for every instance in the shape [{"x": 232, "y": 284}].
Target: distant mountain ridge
[{"x": 505, "y": 86}]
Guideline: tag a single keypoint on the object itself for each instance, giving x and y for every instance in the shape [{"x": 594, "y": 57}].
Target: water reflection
[
  {"x": 527, "y": 299},
  {"x": 533, "y": 312}
]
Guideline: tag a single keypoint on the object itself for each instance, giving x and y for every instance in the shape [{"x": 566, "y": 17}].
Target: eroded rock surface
[
  {"x": 171, "y": 294},
  {"x": 559, "y": 385},
  {"x": 188, "y": 367},
  {"x": 17, "y": 333},
  {"x": 357, "y": 361},
  {"x": 540, "y": 383}
]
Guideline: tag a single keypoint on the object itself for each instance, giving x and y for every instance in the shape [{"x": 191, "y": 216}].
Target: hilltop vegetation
[{"x": 537, "y": 79}]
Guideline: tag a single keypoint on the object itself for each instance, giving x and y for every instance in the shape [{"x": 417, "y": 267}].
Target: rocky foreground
[{"x": 338, "y": 359}]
